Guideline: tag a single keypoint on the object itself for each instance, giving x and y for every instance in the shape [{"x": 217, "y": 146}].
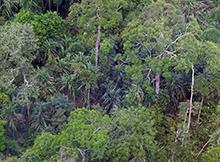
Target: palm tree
[
  {"x": 13, "y": 118},
  {"x": 88, "y": 78},
  {"x": 51, "y": 113},
  {"x": 112, "y": 96},
  {"x": 68, "y": 85},
  {"x": 7, "y": 7}
]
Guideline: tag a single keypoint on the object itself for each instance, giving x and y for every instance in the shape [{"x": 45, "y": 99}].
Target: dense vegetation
[{"x": 109, "y": 80}]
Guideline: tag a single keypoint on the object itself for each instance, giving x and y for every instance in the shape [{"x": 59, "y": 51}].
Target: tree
[
  {"x": 95, "y": 22},
  {"x": 42, "y": 149},
  {"x": 142, "y": 69},
  {"x": 150, "y": 44},
  {"x": 46, "y": 26},
  {"x": 50, "y": 114},
  {"x": 79, "y": 76},
  {"x": 85, "y": 135},
  {"x": 8, "y": 7},
  {"x": 17, "y": 51},
  {"x": 132, "y": 135}
]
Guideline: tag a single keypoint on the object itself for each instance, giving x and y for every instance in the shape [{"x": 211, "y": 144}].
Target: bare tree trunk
[
  {"x": 191, "y": 99},
  {"x": 98, "y": 40},
  {"x": 74, "y": 98},
  {"x": 29, "y": 112},
  {"x": 88, "y": 97},
  {"x": 157, "y": 83},
  {"x": 57, "y": 8}
]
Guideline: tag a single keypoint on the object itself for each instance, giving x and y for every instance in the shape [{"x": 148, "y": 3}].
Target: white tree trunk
[
  {"x": 191, "y": 99},
  {"x": 157, "y": 83},
  {"x": 98, "y": 39}
]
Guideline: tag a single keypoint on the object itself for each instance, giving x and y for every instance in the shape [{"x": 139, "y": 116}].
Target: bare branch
[
  {"x": 178, "y": 38},
  {"x": 148, "y": 74},
  {"x": 13, "y": 77},
  {"x": 204, "y": 146},
  {"x": 27, "y": 83}
]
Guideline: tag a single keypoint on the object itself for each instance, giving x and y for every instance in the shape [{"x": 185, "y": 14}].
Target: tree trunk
[
  {"x": 191, "y": 99},
  {"x": 74, "y": 98},
  {"x": 29, "y": 112},
  {"x": 98, "y": 39},
  {"x": 88, "y": 97},
  {"x": 157, "y": 83},
  {"x": 49, "y": 4}
]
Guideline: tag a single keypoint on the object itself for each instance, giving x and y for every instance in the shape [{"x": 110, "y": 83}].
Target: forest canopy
[{"x": 109, "y": 80}]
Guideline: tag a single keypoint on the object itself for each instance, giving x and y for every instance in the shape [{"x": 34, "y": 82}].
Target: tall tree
[
  {"x": 95, "y": 22},
  {"x": 158, "y": 43}
]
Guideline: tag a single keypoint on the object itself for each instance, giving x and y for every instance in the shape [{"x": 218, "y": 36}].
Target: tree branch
[{"x": 178, "y": 38}]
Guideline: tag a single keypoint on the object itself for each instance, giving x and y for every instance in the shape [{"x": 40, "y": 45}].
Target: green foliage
[
  {"x": 4, "y": 99},
  {"x": 17, "y": 43},
  {"x": 41, "y": 150},
  {"x": 46, "y": 26},
  {"x": 50, "y": 114},
  {"x": 17, "y": 51},
  {"x": 88, "y": 10},
  {"x": 7, "y": 7},
  {"x": 167, "y": 44},
  {"x": 147, "y": 51},
  {"x": 134, "y": 96},
  {"x": 212, "y": 35},
  {"x": 86, "y": 17},
  {"x": 205, "y": 83},
  {"x": 133, "y": 135},
  {"x": 86, "y": 131},
  {"x": 2, "y": 135},
  {"x": 30, "y": 4},
  {"x": 212, "y": 154},
  {"x": 42, "y": 6}
]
